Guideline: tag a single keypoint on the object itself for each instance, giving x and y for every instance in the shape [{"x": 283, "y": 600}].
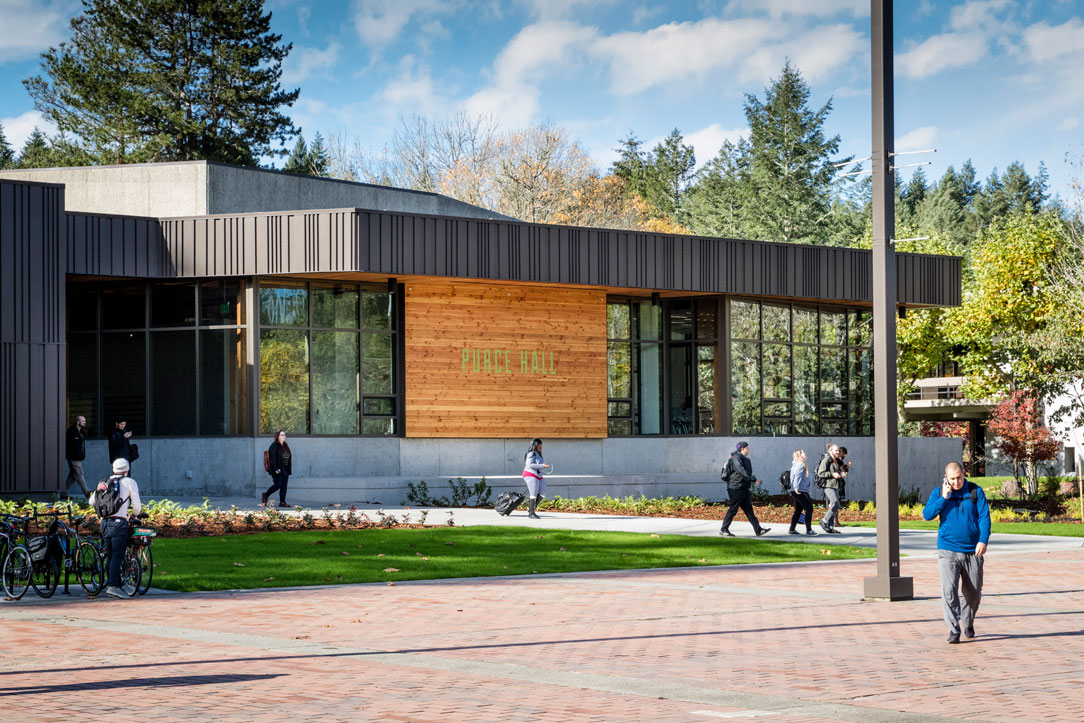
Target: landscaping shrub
[{"x": 1010, "y": 489}]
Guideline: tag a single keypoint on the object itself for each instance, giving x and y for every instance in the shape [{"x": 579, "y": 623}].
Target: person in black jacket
[
  {"x": 281, "y": 468},
  {"x": 739, "y": 484},
  {"x": 120, "y": 442},
  {"x": 75, "y": 451}
]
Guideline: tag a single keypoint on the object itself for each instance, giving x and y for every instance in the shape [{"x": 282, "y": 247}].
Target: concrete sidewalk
[{"x": 913, "y": 543}]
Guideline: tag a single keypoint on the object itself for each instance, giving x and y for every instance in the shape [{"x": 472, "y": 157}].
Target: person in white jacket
[
  {"x": 533, "y": 470},
  {"x": 115, "y": 523}
]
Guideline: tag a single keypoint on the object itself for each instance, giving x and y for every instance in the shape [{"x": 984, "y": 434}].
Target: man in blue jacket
[{"x": 961, "y": 543}]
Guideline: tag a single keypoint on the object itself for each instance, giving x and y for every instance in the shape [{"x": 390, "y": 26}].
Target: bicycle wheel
[
  {"x": 129, "y": 573},
  {"x": 44, "y": 577},
  {"x": 90, "y": 567},
  {"x": 16, "y": 572},
  {"x": 146, "y": 568}
]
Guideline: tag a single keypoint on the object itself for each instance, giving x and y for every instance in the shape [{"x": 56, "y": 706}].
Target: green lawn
[
  {"x": 319, "y": 557},
  {"x": 1057, "y": 529}
]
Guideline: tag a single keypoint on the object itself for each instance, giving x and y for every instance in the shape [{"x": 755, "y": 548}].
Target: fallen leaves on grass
[
  {"x": 347, "y": 554},
  {"x": 391, "y": 569},
  {"x": 268, "y": 579},
  {"x": 380, "y": 555},
  {"x": 448, "y": 544},
  {"x": 238, "y": 564},
  {"x": 653, "y": 534}
]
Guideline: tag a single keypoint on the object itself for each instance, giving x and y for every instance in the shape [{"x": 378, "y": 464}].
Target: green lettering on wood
[
  {"x": 466, "y": 358},
  {"x": 507, "y": 361}
]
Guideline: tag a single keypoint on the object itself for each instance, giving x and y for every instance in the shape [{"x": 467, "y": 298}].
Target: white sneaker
[{"x": 115, "y": 592}]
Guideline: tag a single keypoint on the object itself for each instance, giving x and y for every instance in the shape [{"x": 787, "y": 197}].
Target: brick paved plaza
[{"x": 779, "y": 642}]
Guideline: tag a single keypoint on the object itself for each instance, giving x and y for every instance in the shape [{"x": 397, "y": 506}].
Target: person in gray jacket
[{"x": 533, "y": 469}]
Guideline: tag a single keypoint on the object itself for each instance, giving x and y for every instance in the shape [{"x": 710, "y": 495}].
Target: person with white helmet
[{"x": 111, "y": 500}]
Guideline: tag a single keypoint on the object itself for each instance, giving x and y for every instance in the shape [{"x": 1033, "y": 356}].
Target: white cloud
[
  {"x": 30, "y": 27},
  {"x": 1069, "y": 123},
  {"x": 18, "y": 128},
  {"x": 919, "y": 139},
  {"x": 708, "y": 140},
  {"x": 413, "y": 91},
  {"x": 677, "y": 52},
  {"x": 941, "y": 52},
  {"x": 379, "y": 22},
  {"x": 976, "y": 14},
  {"x": 1045, "y": 42},
  {"x": 513, "y": 93},
  {"x": 303, "y": 62},
  {"x": 550, "y": 10},
  {"x": 816, "y": 8}
]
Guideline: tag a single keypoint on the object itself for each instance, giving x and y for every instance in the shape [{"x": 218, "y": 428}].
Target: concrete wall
[
  {"x": 351, "y": 470},
  {"x": 199, "y": 188}
]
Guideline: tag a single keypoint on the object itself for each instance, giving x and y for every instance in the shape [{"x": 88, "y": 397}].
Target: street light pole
[{"x": 887, "y": 585}]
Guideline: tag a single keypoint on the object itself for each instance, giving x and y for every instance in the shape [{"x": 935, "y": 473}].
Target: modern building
[{"x": 400, "y": 336}]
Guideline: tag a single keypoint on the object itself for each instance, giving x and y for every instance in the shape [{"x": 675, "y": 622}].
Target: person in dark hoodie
[
  {"x": 75, "y": 451},
  {"x": 961, "y": 543},
  {"x": 739, "y": 479},
  {"x": 280, "y": 468}
]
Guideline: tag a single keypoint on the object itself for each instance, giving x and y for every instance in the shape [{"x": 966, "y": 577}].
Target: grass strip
[
  {"x": 1051, "y": 529},
  {"x": 320, "y": 557}
]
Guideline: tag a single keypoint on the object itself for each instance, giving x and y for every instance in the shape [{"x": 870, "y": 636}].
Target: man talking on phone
[{"x": 961, "y": 544}]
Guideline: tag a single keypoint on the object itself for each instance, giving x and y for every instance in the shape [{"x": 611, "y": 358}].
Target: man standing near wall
[
  {"x": 961, "y": 544},
  {"x": 75, "y": 450}
]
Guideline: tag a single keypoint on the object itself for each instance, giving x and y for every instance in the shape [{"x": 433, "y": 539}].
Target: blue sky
[{"x": 991, "y": 80}]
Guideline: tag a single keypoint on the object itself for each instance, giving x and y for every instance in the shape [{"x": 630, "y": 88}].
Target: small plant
[
  {"x": 418, "y": 495},
  {"x": 421, "y": 516},
  {"x": 307, "y": 520},
  {"x": 451, "y": 519},
  {"x": 910, "y": 497},
  {"x": 328, "y": 518},
  {"x": 760, "y": 495},
  {"x": 351, "y": 519},
  {"x": 1010, "y": 489}
]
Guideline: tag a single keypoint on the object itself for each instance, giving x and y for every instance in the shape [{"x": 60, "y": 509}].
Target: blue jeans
[{"x": 115, "y": 541}]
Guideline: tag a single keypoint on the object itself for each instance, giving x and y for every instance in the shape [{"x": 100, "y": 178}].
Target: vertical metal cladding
[{"x": 33, "y": 258}]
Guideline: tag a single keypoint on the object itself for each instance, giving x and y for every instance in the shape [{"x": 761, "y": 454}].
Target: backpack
[
  {"x": 823, "y": 473},
  {"x": 107, "y": 499},
  {"x": 784, "y": 481},
  {"x": 267, "y": 461}
]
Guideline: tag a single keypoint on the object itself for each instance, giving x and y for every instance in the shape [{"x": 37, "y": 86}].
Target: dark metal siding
[
  {"x": 397, "y": 244},
  {"x": 33, "y": 375}
]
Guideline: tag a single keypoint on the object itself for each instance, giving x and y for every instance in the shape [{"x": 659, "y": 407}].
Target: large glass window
[
  {"x": 168, "y": 356},
  {"x": 799, "y": 370},
  {"x": 662, "y": 366},
  {"x": 327, "y": 359}
]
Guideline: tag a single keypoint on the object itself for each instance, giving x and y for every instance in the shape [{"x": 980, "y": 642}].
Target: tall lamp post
[{"x": 887, "y": 584}]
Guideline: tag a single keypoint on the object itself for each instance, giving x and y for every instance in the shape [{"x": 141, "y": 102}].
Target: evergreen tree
[
  {"x": 716, "y": 202},
  {"x": 790, "y": 168},
  {"x": 319, "y": 158},
  {"x": 662, "y": 176},
  {"x": 298, "y": 160},
  {"x": 36, "y": 152},
  {"x": 7, "y": 155},
  {"x": 168, "y": 80}
]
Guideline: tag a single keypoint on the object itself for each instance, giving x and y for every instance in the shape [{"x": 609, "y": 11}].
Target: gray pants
[
  {"x": 831, "y": 499},
  {"x": 535, "y": 487},
  {"x": 75, "y": 474},
  {"x": 960, "y": 571}
]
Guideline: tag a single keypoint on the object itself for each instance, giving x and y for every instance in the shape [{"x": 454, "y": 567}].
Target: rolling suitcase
[{"x": 508, "y": 501}]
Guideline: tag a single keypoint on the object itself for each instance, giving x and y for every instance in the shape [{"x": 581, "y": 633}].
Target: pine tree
[
  {"x": 7, "y": 155},
  {"x": 790, "y": 169},
  {"x": 168, "y": 80},
  {"x": 298, "y": 160},
  {"x": 36, "y": 152},
  {"x": 319, "y": 158}
]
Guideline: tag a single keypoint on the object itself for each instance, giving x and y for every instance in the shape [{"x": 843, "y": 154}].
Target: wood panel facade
[{"x": 492, "y": 360}]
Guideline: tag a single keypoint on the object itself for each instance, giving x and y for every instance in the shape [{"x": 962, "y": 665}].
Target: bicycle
[
  {"x": 139, "y": 547},
  {"x": 77, "y": 556},
  {"x": 131, "y": 570},
  {"x": 15, "y": 558}
]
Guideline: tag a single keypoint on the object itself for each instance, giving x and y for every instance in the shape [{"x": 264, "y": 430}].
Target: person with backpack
[
  {"x": 830, "y": 474},
  {"x": 799, "y": 493},
  {"x": 533, "y": 469},
  {"x": 738, "y": 475},
  {"x": 279, "y": 463},
  {"x": 110, "y": 501},
  {"x": 962, "y": 536}
]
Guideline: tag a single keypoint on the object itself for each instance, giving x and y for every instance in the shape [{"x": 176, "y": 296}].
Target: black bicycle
[
  {"x": 77, "y": 556},
  {"x": 139, "y": 549},
  {"x": 15, "y": 563}
]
